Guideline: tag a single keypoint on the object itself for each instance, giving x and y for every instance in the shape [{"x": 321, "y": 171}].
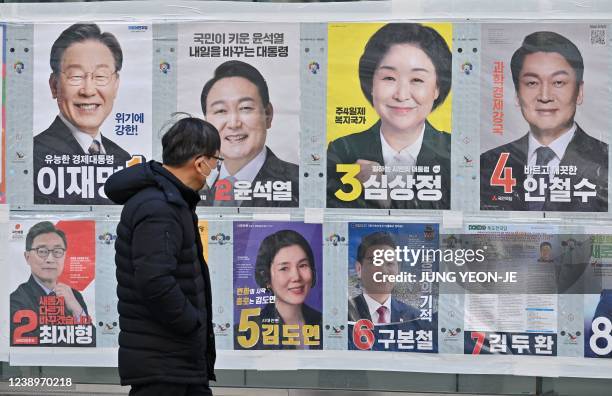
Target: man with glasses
[
  {"x": 45, "y": 252},
  {"x": 166, "y": 339},
  {"x": 85, "y": 64}
]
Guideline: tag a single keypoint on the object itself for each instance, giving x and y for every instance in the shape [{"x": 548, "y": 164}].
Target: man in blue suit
[{"x": 376, "y": 303}]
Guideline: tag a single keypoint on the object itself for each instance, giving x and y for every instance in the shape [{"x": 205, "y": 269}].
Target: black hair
[
  {"x": 187, "y": 138},
  {"x": 236, "y": 68},
  {"x": 546, "y": 42},
  {"x": 423, "y": 37},
  {"x": 44, "y": 227},
  {"x": 376, "y": 238},
  {"x": 269, "y": 248},
  {"x": 545, "y": 244},
  {"x": 78, "y": 33}
]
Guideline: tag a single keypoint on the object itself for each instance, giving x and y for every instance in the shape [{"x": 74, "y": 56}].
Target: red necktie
[{"x": 382, "y": 310}]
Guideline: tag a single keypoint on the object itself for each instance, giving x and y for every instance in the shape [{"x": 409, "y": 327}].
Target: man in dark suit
[
  {"x": 236, "y": 101},
  {"x": 45, "y": 254},
  {"x": 377, "y": 303},
  {"x": 85, "y": 67},
  {"x": 547, "y": 71}
]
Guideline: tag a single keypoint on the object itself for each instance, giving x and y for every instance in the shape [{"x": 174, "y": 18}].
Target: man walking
[{"x": 166, "y": 342}]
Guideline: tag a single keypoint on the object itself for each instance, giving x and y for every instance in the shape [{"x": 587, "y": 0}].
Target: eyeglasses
[
  {"x": 43, "y": 252},
  {"x": 219, "y": 160},
  {"x": 101, "y": 78}
]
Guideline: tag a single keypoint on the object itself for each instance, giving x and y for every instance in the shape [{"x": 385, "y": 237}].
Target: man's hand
[
  {"x": 73, "y": 306},
  {"x": 366, "y": 169}
]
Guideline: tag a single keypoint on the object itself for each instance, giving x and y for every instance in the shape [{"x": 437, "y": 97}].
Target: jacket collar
[{"x": 176, "y": 191}]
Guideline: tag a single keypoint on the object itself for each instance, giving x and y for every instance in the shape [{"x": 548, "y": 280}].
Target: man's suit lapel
[
  {"x": 577, "y": 154},
  {"x": 66, "y": 139},
  {"x": 362, "y": 307}
]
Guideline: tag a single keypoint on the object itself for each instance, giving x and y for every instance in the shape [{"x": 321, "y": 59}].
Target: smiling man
[
  {"x": 556, "y": 166},
  {"x": 45, "y": 254},
  {"x": 85, "y": 64},
  {"x": 237, "y": 102}
]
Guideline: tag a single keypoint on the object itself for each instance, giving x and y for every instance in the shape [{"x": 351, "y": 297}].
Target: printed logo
[
  {"x": 314, "y": 67},
  {"x": 18, "y": 67},
  {"x": 107, "y": 238},
  {"x": 467, "y": 68},
  {"x": 138, "y": 28},
  {"x": 335, "y": 239},
  {"x": 220, "y": 238},
  {"x": 164, "y": 67},
  {"x": 335, "y": 331}
]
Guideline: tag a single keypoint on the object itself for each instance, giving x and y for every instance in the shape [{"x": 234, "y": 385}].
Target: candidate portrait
[
  {"x": 555, "y": 165},
  {"x": 236, "y": 100},
  {"x": 85, "y": 64},
  {"x": 45, "y": 255},
  {"x": 405, "y": 74},
  {"x": 377, "y": 302}
]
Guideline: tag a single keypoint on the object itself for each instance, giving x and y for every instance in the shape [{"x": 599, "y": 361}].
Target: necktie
[
  {"x": 52, "y": 293},
  {"x": 231, "y": 201},
  {"x": 381, "y": 311},
  {"x": 95, "y": 148},
  {"x": 543, "y": 156}
]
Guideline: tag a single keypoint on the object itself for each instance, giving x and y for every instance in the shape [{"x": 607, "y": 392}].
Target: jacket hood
[{"x": 123, "y": 185}]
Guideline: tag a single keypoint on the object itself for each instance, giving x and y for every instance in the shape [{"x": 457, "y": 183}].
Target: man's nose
[
  {"x": 233, "y": 120},
  {"x": 88, "y": 86},
  {"x": 545, "y": 94}
]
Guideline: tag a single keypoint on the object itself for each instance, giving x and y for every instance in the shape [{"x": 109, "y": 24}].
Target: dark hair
[
  {"x": 44, "y": 227},
  {"x": 78, "y": 33},
  {"x": 545, "y": 244},
  {"x": 187, "y": 138},
  {"x": 423, "y": 37},
  {"x": 546, "y": 42},
  {"x": 235, "y": 68},
  {"x": 376, "y": 238},
  {"x": 269, "y": 248}
]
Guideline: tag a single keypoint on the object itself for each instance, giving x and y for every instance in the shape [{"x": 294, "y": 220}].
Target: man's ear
[
  {"x": 580, "y": 93},
  {"x": 269, "y": 111},
  {"x": 358, "y": 269},
  {"x": 53, "y": 85}
]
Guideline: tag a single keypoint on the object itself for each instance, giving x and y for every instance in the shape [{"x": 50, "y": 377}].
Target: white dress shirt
[
  {"x": 559, "y": 145},
  {"x": 83, "y": 138},
  {"x": 247, "y": 172},
  {"x": 407, "y": 156},
  {"x": 373, "y": 305}
]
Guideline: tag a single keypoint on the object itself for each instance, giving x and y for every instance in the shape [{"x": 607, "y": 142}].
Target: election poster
[
  {"x": 92, "y": 107},
  {"x": 244, "y": 79},
  {"x": 2, "y": 119},
  {"x": 278, "y": 268},
  {"x": 52, "y": 283},
  {"x": 598, "y": 307},
  {"x": 392, "y": 305},
  {"x": 544, "y": 129},
  {"x": 521, "y": 316},
  {"x": 389, "y": 112}
]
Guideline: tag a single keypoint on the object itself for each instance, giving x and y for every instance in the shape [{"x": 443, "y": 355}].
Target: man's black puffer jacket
[{"x": 163, "y": 283}]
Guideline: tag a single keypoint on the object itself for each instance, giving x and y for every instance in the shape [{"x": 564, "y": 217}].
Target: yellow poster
[
  {"x": 389, "y": 115},
  {"x": 203, "y": 229}
]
